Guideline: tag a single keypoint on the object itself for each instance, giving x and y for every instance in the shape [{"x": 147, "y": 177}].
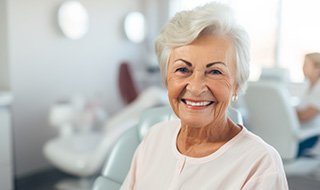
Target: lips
[{"x": 197, "y": 103}]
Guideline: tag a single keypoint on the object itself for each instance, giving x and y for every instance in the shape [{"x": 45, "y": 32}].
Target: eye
[
  {"x": 182, "y": 70},
  {"x": 215, "y": 72}
]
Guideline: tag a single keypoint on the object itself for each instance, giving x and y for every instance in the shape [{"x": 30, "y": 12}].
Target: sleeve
[
  {"x": 267, "y": 181},
  {"x": 129, "y": 182}
]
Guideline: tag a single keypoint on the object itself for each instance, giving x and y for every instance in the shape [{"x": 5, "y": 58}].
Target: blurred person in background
[{"x": 308, "y": 109}]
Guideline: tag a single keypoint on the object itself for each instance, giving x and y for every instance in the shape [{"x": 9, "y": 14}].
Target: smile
[{"x": 197, "y": 103}]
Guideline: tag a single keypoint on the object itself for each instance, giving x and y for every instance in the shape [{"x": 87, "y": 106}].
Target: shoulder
[
  {"x": 259, "y": 144},
  {"x": 317, "y": 86},
  {"x": 159, "y": 140},
  {"x": 315, "y": 91},
  {"x": 261, "y": 152},
  {"x": 164, "y": 127},
  {"x": 162, "y": 131},
  {"x": 266, "y": 169}
]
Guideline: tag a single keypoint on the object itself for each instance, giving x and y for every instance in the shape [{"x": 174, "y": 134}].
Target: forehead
[
  {"x": 307, "y": 58},
  {"x": 205, "y": 49},
  {"x": 308, "y": 61}
]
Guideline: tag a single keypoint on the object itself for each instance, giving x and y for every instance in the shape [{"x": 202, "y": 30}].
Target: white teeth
[{"x": 198, "y": 103}]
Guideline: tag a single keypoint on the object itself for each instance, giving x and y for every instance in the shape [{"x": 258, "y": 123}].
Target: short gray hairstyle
[{"x": 214, "y": 19}]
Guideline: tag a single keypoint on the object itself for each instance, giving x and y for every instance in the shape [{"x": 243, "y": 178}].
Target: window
[
  {"x": 281, "y": 31},
  {"x": 300, "y": 34}
]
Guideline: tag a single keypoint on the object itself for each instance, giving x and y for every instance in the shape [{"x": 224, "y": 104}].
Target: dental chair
[
  {"x": 119, "y": 160},
  {"x": 279, "y": 75},
  {"x": 83, "y": 153},
  {"x": 272, "y": 117}
]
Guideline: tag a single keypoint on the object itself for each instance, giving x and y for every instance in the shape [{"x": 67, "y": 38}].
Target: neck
[
  {"x": 201, "y": 141},
  {"x": 313, "y": 82}
]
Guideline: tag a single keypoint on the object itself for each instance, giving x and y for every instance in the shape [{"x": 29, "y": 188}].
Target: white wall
[
  {"x": 156, "y": 16},
  {"x": 156, "y": 13},
  {"x": 46, "y": 66},
  {"x": 4, "y": 66}
]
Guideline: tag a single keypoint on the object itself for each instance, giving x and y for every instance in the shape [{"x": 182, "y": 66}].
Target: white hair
[{"x": 214, "y": 19}]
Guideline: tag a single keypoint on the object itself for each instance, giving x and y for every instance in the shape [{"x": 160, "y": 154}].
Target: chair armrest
[{"x": 103, "y": 183}]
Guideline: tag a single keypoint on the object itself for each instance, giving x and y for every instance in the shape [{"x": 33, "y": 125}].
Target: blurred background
[{"x": 44, "y": 62}]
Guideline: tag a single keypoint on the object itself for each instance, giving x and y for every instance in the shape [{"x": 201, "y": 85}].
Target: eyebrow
[{"x": 207, "y": 66}]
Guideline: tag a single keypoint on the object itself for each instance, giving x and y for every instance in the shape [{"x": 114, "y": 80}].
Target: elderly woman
[{"x": 204, "y": 57}]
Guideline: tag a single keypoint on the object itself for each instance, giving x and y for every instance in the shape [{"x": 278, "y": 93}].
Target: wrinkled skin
[{"x": 201, "y": 81}]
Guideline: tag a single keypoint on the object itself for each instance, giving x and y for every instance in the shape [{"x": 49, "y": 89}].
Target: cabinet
[{"x": 6, "y": 169}]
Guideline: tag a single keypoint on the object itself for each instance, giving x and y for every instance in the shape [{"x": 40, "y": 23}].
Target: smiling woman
[
  {"x": 203, "y": 55},
  {"x": 201, "y": 80}
]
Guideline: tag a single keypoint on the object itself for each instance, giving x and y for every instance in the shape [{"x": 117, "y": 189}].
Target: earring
[{"x": 234, "y": 98}]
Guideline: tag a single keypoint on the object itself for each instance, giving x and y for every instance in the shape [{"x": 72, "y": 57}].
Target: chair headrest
[{"x": 152, "y": 116}]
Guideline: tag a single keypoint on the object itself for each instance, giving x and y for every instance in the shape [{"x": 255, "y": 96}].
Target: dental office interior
[{"x": 77, "y": 76}]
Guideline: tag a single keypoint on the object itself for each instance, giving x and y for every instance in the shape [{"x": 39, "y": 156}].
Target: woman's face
[
  {"x": 201, "y": 80},
  {"x": 310, "y": 71}
]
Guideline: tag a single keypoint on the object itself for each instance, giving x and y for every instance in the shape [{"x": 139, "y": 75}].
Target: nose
[{"x": 196, "y": 84}]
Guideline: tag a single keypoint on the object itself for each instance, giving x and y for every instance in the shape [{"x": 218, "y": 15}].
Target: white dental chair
[
  {"x": 272, "y": 117},
  {"x": 83, "y": 154},
  {"x": 118, "y": 163}
]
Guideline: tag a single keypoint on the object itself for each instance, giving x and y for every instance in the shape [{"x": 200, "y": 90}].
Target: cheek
[
  {"x": 223, "y": 89},
  {"x": 175, "y": 87},
  {"x": 305, "y": 69}
]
